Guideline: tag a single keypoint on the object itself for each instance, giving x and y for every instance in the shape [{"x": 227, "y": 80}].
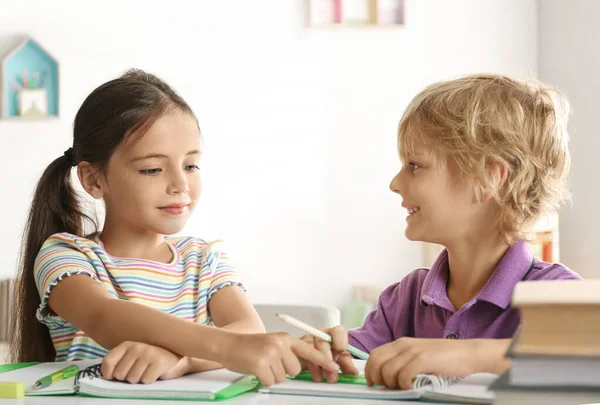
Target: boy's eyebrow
[{"x": 163, "y": 156}]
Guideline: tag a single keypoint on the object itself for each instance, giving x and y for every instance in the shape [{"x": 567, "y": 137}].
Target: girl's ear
[
  {"x": 91, "y": 179},
  {"x": 498, "y": 174}
]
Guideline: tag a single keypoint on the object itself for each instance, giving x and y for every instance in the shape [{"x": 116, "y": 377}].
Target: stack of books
[{"x": 556, "y": 352}]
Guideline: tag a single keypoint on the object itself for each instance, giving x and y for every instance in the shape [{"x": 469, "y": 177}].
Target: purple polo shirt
[{"x": 418, "y": 306}]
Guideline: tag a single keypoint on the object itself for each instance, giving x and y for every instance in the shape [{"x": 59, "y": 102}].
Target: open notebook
[
  {"x": 469, "y": 390},
  {"x": 208, "y": 385}
]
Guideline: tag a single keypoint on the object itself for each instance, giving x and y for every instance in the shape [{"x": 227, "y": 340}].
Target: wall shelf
[{"x": 29, "y": 83}]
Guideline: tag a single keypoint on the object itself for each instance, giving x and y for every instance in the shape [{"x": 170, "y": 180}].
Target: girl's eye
[
  {"x": 151, "y": 172},
  {"x": 192, "y": 168}
]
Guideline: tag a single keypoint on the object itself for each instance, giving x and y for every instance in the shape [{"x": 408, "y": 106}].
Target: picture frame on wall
[{"x": 368, "y": 13}]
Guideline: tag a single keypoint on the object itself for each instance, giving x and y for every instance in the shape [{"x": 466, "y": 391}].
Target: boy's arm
[
  {"x": 491, "y": 355},
  {"x": 377, "y": 328}
]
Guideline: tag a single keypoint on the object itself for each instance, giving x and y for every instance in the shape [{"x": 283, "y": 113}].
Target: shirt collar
[{"x": 513, "y": 268}]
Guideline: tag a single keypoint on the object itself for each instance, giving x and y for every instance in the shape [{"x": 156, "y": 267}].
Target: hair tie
[{"x": 70, "y": 157}]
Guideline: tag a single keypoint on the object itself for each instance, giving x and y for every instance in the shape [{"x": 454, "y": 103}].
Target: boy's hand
[
  {"x": 335, "y": 351},
  {"x": 136, "y": 362},
  {"x": 271, "y": 357},
  {"x": 395, "y": 364}
]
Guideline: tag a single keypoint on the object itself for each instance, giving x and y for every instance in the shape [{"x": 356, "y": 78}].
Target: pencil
[{"x": 320, "y": 335}]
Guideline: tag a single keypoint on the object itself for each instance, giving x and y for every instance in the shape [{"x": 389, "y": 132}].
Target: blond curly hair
[{"x": 481, "y": 119}]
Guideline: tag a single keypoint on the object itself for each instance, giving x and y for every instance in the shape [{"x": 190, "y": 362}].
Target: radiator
[{"x": 6, "y": 299}]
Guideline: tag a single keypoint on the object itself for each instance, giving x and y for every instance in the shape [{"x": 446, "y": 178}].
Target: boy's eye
[
  {"x": 192, "y": 168},
  {"x": 413, "y": 166},
  {"x": 151, "y": 172}
]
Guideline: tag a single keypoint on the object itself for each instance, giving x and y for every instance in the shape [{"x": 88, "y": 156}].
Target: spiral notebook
[
  {"x": 207, "y": 385},
  {"x": 468, "y": 390}
]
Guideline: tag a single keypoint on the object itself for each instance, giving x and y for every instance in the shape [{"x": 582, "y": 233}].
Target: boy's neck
[
  {"x": 121, "y": 242},
  {"x": 471, "y": 264}
]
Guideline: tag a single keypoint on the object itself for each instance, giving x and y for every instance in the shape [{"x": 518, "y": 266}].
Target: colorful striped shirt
[{"x": 181, "y": 288}]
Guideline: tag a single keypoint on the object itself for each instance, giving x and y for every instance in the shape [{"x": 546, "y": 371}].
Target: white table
[{"x": 246, "y": 399}]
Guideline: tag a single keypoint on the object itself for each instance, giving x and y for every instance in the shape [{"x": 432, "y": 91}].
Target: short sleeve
[
  {"x": 376, "y": 330},
  {"x": 222, "y": 271},
  {"x": 59, "y": 257}
]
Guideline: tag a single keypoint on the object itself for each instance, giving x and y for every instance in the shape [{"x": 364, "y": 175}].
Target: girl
[
  {"x": 144, "y": 300},
  {"x": 484, "y": 156}
]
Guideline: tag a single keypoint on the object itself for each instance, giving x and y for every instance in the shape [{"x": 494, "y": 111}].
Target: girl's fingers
[{"x": 137, "y": 371}]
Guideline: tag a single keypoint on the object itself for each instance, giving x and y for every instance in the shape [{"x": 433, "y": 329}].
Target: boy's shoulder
[
  {"x": 551, "y": 271},
  {"x": 409, "y": 288}
]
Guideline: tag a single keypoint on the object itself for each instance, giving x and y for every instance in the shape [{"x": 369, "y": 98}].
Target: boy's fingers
[
  {"x": 339, "y": 334},
  {"x": 346, "y": 364}
]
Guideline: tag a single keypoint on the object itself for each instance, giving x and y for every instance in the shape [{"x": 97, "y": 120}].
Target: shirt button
[{"x": 452, "y": 335}]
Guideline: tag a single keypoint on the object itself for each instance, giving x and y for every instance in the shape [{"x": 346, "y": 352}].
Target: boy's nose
[{"x": 395, "y": 184}]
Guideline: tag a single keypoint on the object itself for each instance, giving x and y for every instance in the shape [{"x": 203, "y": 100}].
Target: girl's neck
[
  {"x": 472, "y": 262},
  {"x": 121, "y": 242}
]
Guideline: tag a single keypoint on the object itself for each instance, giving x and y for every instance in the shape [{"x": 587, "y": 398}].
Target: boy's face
[
  {"x": 153, "y": 184},
  {"x": 441, "y": 204}
]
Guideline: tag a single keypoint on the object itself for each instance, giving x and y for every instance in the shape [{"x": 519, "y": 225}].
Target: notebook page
[
  {"x": 30, "y": 375},
  {"x": 299, "y": 387},
  {"x": 199, "y": 385},
  {"x": 471, "y": 390},
  {"x": 296, "y": 387}
]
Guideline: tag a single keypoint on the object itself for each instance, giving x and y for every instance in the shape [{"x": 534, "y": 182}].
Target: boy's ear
[
  {"x": 498, "y": 174},
  {"x": 91, "y": 179}
]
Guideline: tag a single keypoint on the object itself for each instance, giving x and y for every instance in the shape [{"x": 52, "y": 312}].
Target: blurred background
[{"x": 298, "y": 105}]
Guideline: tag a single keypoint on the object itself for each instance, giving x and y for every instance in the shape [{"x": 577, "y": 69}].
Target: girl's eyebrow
[{"x": 163, "y": 156}]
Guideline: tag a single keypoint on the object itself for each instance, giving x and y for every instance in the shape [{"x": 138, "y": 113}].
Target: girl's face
[{"x": 152, "y": 183}]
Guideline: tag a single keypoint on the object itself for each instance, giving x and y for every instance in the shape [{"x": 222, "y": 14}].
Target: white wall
[
  {"x": 569, "y": 59},
  {"x": 299, "y": 123}
]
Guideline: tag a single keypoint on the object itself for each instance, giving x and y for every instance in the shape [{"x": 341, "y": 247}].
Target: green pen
[{"x": 67, "y": 372}]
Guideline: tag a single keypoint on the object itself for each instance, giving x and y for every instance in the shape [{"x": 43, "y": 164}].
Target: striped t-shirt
[{"x": 181, "y": 288}]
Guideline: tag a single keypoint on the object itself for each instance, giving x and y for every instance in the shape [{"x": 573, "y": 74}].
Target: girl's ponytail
[{"x": 55, "y": 209}]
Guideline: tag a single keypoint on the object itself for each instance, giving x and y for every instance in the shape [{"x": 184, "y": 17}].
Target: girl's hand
[
  {"x": 335, "y": 351},
  {"x": 271, "y": 357},
  {"x": 395, "y": 364},
  {"x": 136, "y": 362}
]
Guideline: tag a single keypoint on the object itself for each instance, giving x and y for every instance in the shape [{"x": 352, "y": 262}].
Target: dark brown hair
[{"x": 112, "y": 112}]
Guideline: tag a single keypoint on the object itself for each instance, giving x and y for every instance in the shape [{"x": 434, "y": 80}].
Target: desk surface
[{"x": 247, "y": 399}]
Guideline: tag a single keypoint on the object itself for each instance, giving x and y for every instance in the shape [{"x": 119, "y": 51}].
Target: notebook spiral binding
[
  {"x": 436, "y": 382},
  {"x": 90, "y": 372}
]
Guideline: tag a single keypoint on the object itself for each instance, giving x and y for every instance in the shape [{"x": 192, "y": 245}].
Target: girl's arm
[
  {"x": 110, "y": 321},
  {"x": 231, "y": 310}
]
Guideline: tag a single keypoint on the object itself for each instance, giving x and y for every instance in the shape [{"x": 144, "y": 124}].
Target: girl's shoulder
[{"x": 67, "y": 240}]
